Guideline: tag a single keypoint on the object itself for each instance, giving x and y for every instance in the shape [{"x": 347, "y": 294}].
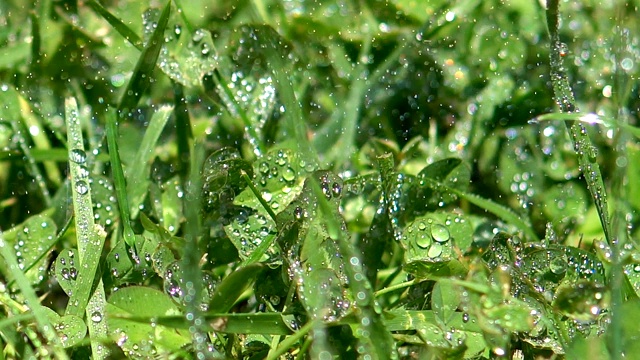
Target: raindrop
[
  {"x": 96, "y": 317},
  {"x": 78, "y": 156},
  {"x": 288, "y": 174},
  {"x": 435, "y": 250},
  {"x": 558, "y": 265},
  {"x": 81, "y": 187},
  {"x": 83, "y": 172},
  {"x": 423, "y": 241},
  {"x": 440, "y": 233}
]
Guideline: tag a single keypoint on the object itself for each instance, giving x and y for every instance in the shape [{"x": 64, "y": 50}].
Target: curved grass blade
[
  {"x": 118, "y": 178},
  {"x": 258, "y": 323},
  {"x": 90, "y": 239},
  {"x": 137, "y": 177},
  {"x": 590, "y": 118},
  {"x": 144, "y": 67},
  {"x": 120, "y": 27},
  {"x": 502, "y": 212}
]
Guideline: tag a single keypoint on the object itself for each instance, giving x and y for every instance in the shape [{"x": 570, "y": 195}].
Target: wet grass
[{"x": 276, "y": 179}]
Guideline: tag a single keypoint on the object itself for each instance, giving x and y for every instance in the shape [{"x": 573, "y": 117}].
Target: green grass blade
[
  {"x": 90, "y": 238},
  {"x": 137, "y": 178},
  {"x": 502, "y": 212},
  {"x": 563, "y": 95},
  {"x": 184, "y": 132},
  {"x": 141, "y": 77},
  {"x": 352, "y": 108},
  {"x": 258, "y": 323},
  {"x": 250, "y": 130},
  {"x": 118, "y": 178},
  {"x": 230, "y": 289},
  {"x": 280, "y": 67},
  {"x": 117, "y": 24},
  {"x": 590, "y": 118},
  {"x": 191, "y": 258},
  {"x": 40, "y": 140}
]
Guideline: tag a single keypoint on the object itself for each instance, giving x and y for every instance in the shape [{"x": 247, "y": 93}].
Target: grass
[{"x": 271, "y": 179}]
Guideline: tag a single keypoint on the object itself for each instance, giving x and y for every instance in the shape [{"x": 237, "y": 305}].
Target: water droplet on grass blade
[
  {"x": 82, "y": 188},
  {"x": 78, "y": 156}
]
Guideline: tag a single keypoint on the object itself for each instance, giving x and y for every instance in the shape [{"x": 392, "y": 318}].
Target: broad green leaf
[
  {"x": 429, "y": 242},
  {"x": 70, "y": 328},
  {"x": 66, "y": 270},
  {"x": 34, "y": 240},
  {"x": 445, "y": 299},
  {"x": 143, "y": 339}
]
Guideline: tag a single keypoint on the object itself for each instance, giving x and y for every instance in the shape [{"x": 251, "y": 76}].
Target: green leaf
[
  {"x": 429, "y": 242},
  {"x": 445, "y": 299},
  {"x": 70, "y": 328},
  {"x": 143, "y": 339}
]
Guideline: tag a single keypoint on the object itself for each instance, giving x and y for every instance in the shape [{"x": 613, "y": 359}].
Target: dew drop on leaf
[
  {"x": 435, "y": 250},
  {"x": 440, "y": 233},
  {"x": 96, "y": 317},
  {"x": 423, "y": 241},
  {"x": 78, "y": 156}
]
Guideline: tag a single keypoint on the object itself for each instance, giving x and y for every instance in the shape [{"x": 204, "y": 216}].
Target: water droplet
[
  {"x": 96, "y": 317},
  {"x": 81, "y": 187},
  {"x": 440, "y": 233},
  {"x": 83, "y": 172},
  {"x": 78, "y": 156},
  {"x": 423, "y": 241},
  {"x": 435, "y": 250}
]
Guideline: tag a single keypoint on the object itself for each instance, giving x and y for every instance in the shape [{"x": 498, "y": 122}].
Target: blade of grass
[
  {"x": 258, "y": 323},
  {"x": 233, "y": 285},
  {"x": 191, "y": 258},
  {"x": 40, "y": 140},
  {"x": 502, "y": 212},
  {"x": 581, "y": 142},
  {"x": 289, "y": 342},
  {"x": 118, "y": 179},
  {"x": 280, "y": 67},
  {"x": 141, "y": 77},
  {"x": 90, "y": 239},
  {"x": 120, "y": 27},
  {"x": 378, "y": 342},
  {"x": 590, "y": 118},
  {"x": 184, "y": 132},
  {"x": 250, "y": 131},
  {"x": 137, "y": 177}
]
